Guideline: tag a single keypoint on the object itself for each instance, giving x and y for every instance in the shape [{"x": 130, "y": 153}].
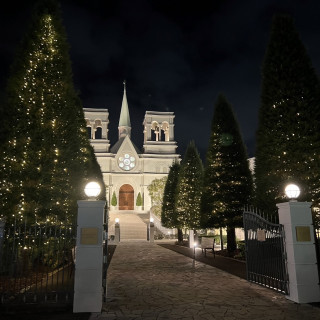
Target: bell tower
[
  {"x": 97, "y": 121},
  {"x": 159, "y": 133}
]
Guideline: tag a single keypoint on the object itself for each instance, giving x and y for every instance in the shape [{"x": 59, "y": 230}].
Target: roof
[{"x": 115, "y": 148}]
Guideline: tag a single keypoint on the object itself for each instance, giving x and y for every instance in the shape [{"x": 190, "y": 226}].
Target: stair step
[{"x": 132, "y": 227}]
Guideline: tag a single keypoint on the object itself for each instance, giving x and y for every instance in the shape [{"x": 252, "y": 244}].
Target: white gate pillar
[
  {"x": 301, "y": 254},
  {"x": 88, "y": 288}
]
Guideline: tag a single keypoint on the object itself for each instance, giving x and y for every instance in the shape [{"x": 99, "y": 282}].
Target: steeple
[{"x": 124, "y": 121}]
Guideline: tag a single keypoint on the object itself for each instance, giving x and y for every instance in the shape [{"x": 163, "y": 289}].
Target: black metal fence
[
  {"x": 265, "y": 252},
  {"x": 36, "y": 263},
  {"x": 317, "y": 244}
]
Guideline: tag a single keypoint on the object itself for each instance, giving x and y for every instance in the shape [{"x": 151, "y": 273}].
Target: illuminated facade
[{"x": 126, "y": 170}]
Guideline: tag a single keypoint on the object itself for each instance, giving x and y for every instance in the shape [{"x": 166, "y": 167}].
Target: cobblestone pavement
[{"x": 147, "y": 281}]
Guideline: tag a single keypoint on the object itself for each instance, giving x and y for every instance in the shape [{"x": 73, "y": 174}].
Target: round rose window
[{"x": 127, "y": 162}]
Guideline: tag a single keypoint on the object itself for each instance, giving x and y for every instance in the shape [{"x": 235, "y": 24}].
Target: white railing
[{"x": 160, "y": 227}]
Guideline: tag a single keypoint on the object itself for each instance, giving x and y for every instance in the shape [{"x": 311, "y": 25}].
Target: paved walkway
[{"x": 147, "y": 281}]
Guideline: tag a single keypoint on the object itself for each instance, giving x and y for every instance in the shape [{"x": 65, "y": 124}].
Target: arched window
[
  {"x": 98, "y": 129},
  {"x": 98, "y": 133},
  {"x": 88, "y": 124},
  {"x": 155, "y": 127},
  {"x": 89, "y": 132},
  {"x": 165, "y": 128}
]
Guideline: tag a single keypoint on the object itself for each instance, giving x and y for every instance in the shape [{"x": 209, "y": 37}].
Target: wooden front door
[{"x": 126, "y": 197}]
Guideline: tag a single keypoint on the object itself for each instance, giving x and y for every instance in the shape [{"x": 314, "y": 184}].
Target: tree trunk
[
  {"x": 221, "y": 239},
  {"x": 180, "y": 235},
  {"x": 231, "y": 239}
]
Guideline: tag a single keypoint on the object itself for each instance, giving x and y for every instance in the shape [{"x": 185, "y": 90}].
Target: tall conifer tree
[
  {"x": 47, "y": 156},
  {"x": 168, "y": 211},
  {"x": 288, "y": 135},
  {"x": 227, "y": 183},
  {"x": 189, "y": 189}
]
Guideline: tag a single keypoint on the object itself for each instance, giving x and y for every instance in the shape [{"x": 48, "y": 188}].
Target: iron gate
[
  {"x": 265, "y": 252},
  {"x": 317, "y": 245},
  {"x": 36, "y": 263}
]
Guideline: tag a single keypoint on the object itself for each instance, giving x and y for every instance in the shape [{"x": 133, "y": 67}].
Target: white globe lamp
[
  {"x": 116, "y": 220},
  {"x": 292, "y": 191},
  {"x": 151, "y": 220},
  {"x": 92, "y": 190}
]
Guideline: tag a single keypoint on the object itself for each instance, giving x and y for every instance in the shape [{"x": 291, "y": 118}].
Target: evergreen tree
[
  {"x": 139, "y": 200},
  {"x": 156, "y": 189},
  {"x": 47, "y": 155},
  {"x": 189, "y": 189},
  {"x": 168, "y": 211},
  {"x": 288, "y": 135},
  {"x": 227, "y": 183},
  {"x": 114, "y": 199}
]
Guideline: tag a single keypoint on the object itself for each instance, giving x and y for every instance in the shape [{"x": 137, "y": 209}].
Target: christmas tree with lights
[
  {"x": 227, "y": 185},
  {"x": 46, "y": 157},
  {"x": 189, "y": 189},
  {"x": 288, "y": 135},
  {"x": 168, "y": 210}
]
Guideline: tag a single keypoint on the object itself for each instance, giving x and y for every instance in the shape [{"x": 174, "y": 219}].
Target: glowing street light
[
  {"x": 292, "y": 191},
  {"x": 92, "y": 189}
]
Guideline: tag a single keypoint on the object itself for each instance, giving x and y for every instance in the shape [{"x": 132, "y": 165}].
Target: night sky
[{"x": 174, "y": 56}]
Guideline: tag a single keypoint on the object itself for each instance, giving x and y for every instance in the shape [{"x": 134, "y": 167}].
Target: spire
[{"x": 124, "y": 121}]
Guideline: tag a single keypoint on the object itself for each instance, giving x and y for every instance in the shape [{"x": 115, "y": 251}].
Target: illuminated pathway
[{"x": 146, "y": 281}]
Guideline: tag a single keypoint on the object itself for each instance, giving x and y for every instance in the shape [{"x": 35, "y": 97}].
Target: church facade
[{"x": 128, "y": 171}]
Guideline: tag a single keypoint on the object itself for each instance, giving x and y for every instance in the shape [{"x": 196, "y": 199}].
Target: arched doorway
[{"x": 126, "y": 197}]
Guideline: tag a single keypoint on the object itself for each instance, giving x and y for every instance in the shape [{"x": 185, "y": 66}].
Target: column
[
  {"x": 88, "y": 288},
  {"x": 301, "y": 254}
]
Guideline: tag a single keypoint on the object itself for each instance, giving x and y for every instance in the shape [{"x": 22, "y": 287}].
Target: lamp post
[
  {"x": 117, "y": 230},
  {"x": 299, "y": 242},
  {"x": 151, "y": 230},
  {"x": 194, "y": 250},
  {"x": 88, "y": 288}
]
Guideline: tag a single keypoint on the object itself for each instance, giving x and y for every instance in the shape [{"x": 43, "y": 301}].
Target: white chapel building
[{"x": 126, "y": 170}]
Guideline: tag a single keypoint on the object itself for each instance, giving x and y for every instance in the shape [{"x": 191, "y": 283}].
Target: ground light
[
  {"x": 292, "y": 192},
  {"x": 194, "y": 249},
  {"x": 92, "y": 190}
]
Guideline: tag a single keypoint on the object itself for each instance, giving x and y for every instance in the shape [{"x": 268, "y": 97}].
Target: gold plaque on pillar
[
  {"x": 303, "y": 234},
  {"x": 89, "y": 236}
]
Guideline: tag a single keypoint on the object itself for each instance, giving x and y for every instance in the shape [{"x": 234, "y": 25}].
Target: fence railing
[
  {"x": 36, "y": 262},
  {"x": 166, "y": 231},
  {"x": 317, "y": 244}
]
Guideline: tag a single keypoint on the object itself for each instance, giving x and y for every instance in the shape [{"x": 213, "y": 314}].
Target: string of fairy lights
[{"x": 40, "y": 85}]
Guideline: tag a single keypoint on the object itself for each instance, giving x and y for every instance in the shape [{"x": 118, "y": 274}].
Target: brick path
[{"x": 147, "y": 281}]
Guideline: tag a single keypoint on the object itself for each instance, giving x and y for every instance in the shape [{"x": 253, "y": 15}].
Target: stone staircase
[{"x": 133, "y": 225}]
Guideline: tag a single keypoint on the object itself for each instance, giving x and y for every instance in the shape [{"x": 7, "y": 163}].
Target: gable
[{"x": 127, "y": 158}]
